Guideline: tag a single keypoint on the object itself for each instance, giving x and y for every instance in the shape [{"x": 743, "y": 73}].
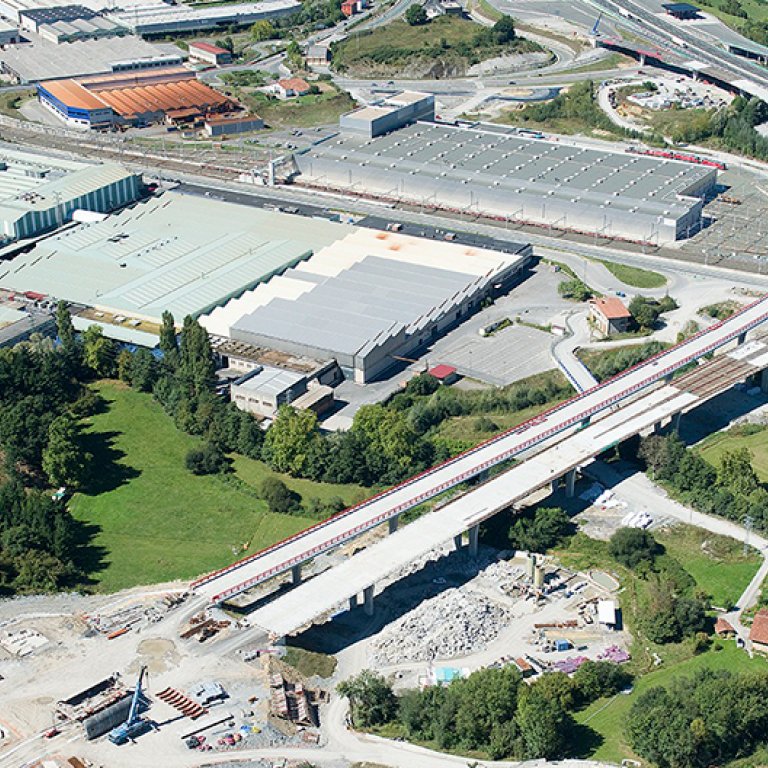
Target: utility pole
[{"x": 748, "y": 523}]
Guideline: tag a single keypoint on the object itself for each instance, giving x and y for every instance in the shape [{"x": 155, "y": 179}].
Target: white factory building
[
  {"x": 495, "y": 172},
  {"x": 367, "y": 299}
]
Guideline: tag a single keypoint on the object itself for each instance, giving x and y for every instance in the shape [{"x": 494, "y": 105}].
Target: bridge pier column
[
  {"x": 296, "y": 574},
  {"x": 657, "y": 428},
  {"x": 458, "y": 541},
  {"x": 642, "y": 59},
  {"x": 585, "y": 422},
  {"x": 570, "y": 483},
  {"x": 353, "y": 602},
  {"x": 676, "y": 421},
  {"x": 368, "y": 600},
  {"x": 764, "y": 381},
  {"x": 742, "y": 337},
  {"x": 393, "y": 522},
  {"x": 474, "y": 538},
  {"x": 668, "y": 378},
  {"x": 555, "y": 484}
]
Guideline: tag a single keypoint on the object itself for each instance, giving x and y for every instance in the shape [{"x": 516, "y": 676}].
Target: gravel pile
[{"x": 456, "y": 623}]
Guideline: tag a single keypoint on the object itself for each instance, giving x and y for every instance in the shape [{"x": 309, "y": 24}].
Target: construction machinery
[{"x": 135, "y": 725}]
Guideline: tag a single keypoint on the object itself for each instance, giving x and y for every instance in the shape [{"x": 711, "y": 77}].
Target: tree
[
  {"x": 633, "y": 546},
  {"x": 196, "y": 366},
  {"x": 99, "y": 352},
  {"x": 287, "y": 442},
  {"x": 416, "y": 15},
  {"x": 143, "y": 370},
  {"x": 543, "y": 725},
  {"x": 279, "y": 497},
  {"x": 169, "y": 344},
  {"x": 64, "y": 327},
  {"x": 541, "y": 531},
  {"x": 371, "y": 698},
  {"x": 644, "y": 311},
  {"x": 64, "y": 461},
  {"x": 595, "y": 679},
  {"x": 504, "y": 30},
  {"x": 207, "y": 459},
  {"x": 574, "y": 289},
  {"x": 262, "y": 30},
  {"x": 736, "y": 472}
]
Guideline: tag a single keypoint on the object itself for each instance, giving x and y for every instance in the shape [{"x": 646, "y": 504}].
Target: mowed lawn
[
  {"x": 717, "y": 563},
  {"x": 151, "y": 519},
  {"x": 713, "y": 448},
  {"x": 607, "y": 717}
]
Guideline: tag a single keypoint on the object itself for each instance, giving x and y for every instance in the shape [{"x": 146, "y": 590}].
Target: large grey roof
[
  {"x": 495, "y": 158},
  {"x": 344, "y": 313}
]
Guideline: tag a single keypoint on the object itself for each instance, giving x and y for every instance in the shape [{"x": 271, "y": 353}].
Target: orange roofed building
[
  {"x": 136, "y": 98},
  {"x": 759, "y": 632},
  {"x": 609, "y": 315}
]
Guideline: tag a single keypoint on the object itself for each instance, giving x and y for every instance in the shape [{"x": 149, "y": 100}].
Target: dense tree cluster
[
  {"x": 492, "y": 710},
  {"x": 634, "y": 548},
  {"x": 708, "y": 719},
  {"x": 539, "y": 529},
  {"x": 646, "y": 312},
  {"x": 733, "y": 490}
]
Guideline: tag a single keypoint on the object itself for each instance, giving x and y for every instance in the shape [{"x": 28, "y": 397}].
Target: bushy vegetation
[
  {"x": 539, "y": 529},
  {"x": 492, "y": 711},
  {"x": 706, "y": 719},
  {"x": 606, "y": 363}
]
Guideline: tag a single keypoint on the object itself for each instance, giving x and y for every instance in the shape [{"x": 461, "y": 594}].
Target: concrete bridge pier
[
  {"x": 393, "y": 523},
  {"x": 353, "y": 602},
  {"x": 555, "y": 484},
  {"x": 764, "y": 381},
  {"x": 368, "y": 600},
  {"x": 458, "y": 541},
  {"x": 657, "y": 428},
  {"x": 296, "y": 574},
  {"x": 742, "y": 337},
  {"x": 474, "y": 538},
  {"x": 676, "y": 421},
  {"x": 570, "y": 483}
]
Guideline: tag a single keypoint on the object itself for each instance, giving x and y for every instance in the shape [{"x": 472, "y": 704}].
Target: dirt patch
[{"x": 157, "y": 654}]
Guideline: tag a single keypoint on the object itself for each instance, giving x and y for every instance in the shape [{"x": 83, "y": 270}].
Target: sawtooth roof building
[
  {"x": 493, "y": 171},
  {"x": 367, "y": 299},
  {"x": 177, "y": 252}
]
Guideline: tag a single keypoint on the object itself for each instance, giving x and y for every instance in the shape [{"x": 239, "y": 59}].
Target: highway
[
  {"x": 657, "y": 29},
  {"x": 555, "y": 423},
  {"x": 319, "y": 596}
]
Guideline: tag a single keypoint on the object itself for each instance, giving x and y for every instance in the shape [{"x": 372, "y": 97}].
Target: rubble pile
[{"x": 456, "y": 623}]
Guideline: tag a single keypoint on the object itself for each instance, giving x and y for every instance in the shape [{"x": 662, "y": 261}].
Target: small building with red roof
[
  {"x": 445, "y": 374},
  {"x": 209, "y": 53},
  {"x": 290, "y": 87},
  {"x": 759, "y": 632},
  {"x": 724, "y": 628},
  {"x": 609, "y": 315}
]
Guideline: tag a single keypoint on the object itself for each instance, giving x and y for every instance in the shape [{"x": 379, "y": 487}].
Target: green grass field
[
  {"x": 302, "y": 112},
  {"x": 635, "y": 276},
  {"x": 150, "y": 519},
  {"x": 717, "y": 563},
  {"x": 607, "y": 717},
  {"x": 384, "y": 50},
  {"x": 754, "y": 439}
]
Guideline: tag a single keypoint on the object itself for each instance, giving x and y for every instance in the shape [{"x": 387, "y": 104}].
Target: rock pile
[{"x": 456, "y": 623}]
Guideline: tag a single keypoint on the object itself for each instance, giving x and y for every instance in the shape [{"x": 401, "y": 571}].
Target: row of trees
[
  {"x": 733, "y": 490},
  {"x": 492, "y": 710}
]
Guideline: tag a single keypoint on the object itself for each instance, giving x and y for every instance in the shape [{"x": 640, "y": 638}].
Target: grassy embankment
[{"x": 151, "y": 520}]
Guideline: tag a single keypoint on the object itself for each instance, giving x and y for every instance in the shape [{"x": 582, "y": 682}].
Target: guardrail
[{"x": 478, "y": 469}]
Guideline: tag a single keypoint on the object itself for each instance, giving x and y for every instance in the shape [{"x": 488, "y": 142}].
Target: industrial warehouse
[
  {"x": 494, "y": 172},
  {"x": 133, "y": 98},
  {"x": 368, "y": 299},
  {"x": 38, "y": 194},
  {"x": 181, "y": 253}
]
